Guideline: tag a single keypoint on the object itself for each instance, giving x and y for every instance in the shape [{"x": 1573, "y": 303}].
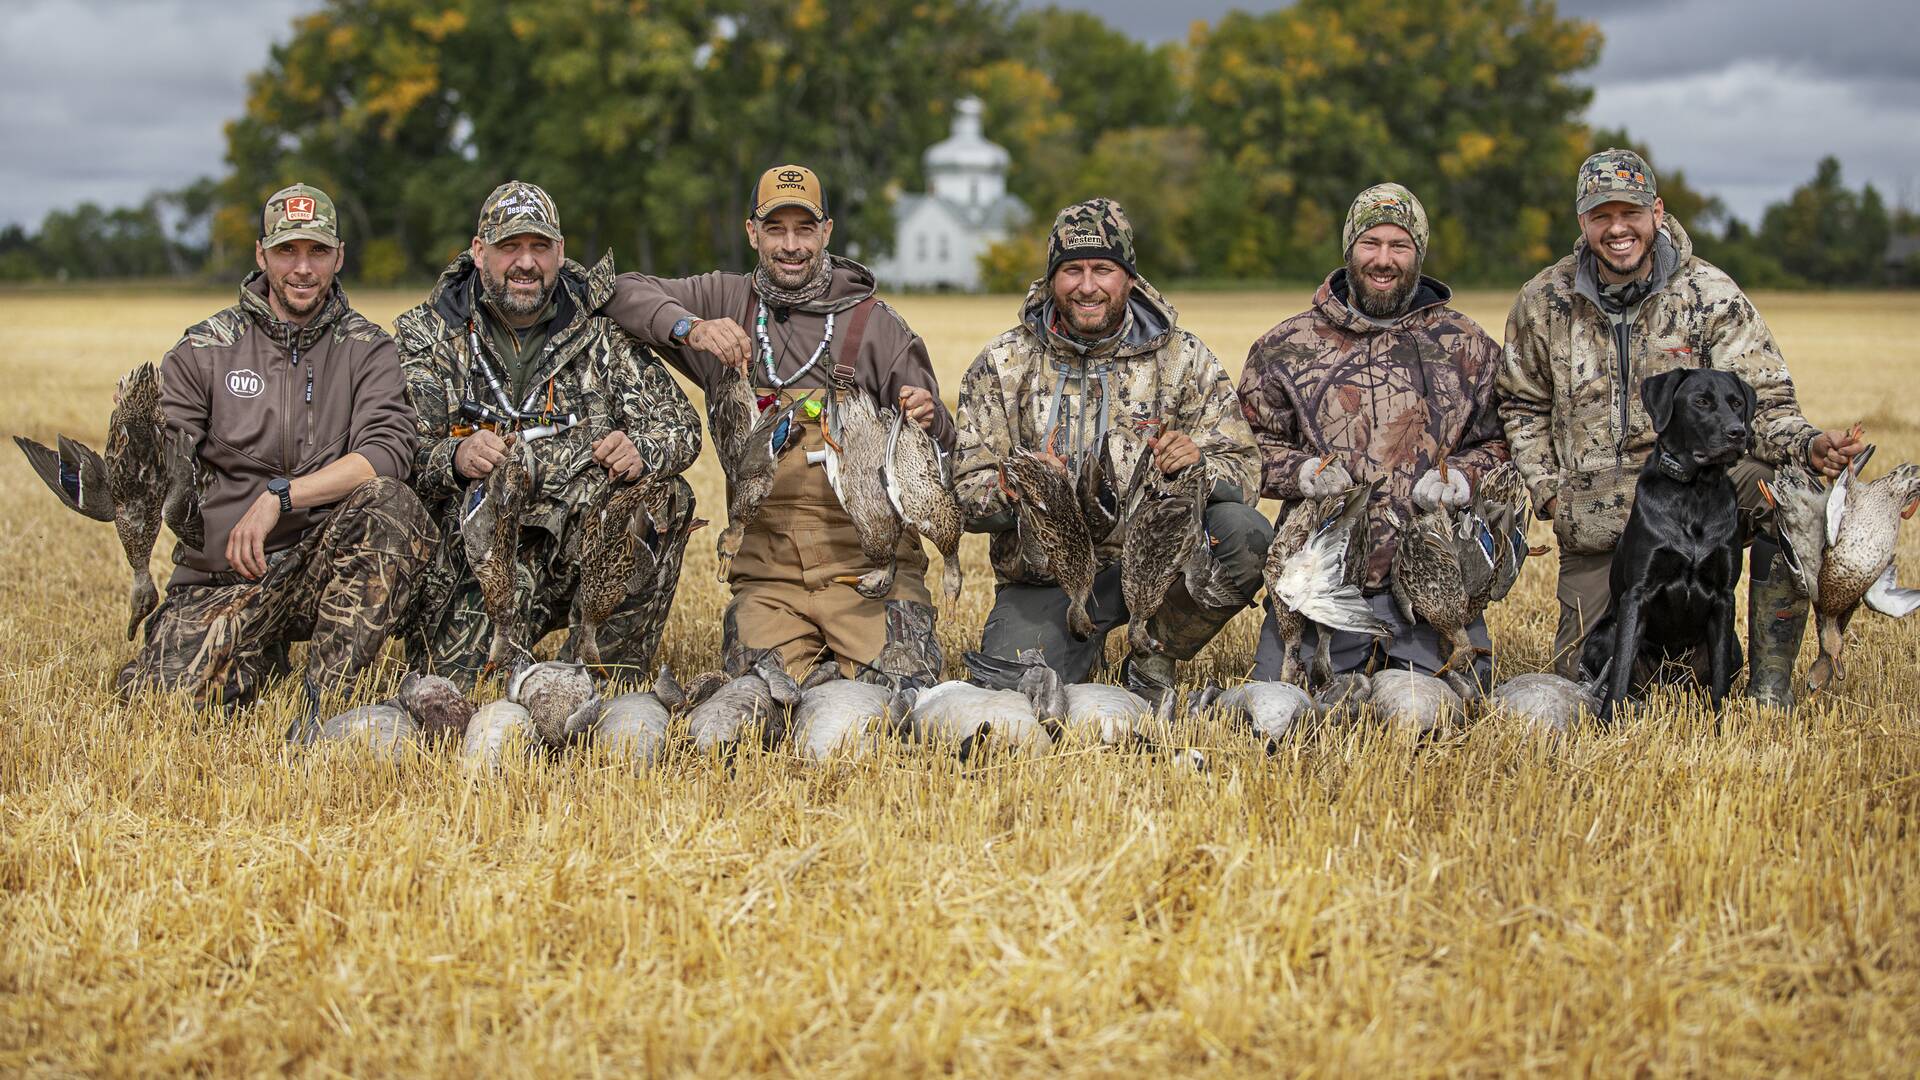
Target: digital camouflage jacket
[
  {"x": 1571, "y": 400},
  {"x": 591, "y": 371},
  {"x": 1151, "y": 372},
  {"x": 1388, "y": 401}
]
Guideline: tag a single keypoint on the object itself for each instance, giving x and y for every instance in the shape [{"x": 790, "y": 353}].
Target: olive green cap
[{"x": 517, "y": 207}]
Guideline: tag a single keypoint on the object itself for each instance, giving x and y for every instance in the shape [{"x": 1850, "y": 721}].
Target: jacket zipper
[{"x": 286, "y": 423}]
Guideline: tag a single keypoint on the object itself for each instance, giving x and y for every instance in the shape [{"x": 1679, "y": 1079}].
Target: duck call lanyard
[
  {"x": 547, "y": 422},
  {"x": 1073, "y": 452},
  {"x": 766, "y": 350}
]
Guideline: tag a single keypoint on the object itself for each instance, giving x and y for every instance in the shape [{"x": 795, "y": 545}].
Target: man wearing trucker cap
[
  {"x": 803, "y": 320},
  {"x": 507, "y": 356},
  {"x": 303, "y": 444}
]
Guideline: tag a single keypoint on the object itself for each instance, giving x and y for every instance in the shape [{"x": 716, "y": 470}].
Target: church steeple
[{"x": 964, "y": 167}]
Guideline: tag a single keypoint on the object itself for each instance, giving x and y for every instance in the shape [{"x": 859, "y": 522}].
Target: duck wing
[
  {"x": 75, "y": 473},
  {"x": 1888, "y": 598},
  {"x": 181, "y": 510}
]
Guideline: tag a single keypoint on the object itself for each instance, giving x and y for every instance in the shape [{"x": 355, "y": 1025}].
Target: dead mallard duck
[
  {"x": 919, "y": 486},
  {"x": 1428, "y": 583},
  {"x": 148, "y": 476},
  {"x": 1314, "y": 571},
  {"x": 1503, "y": 502},
  {"x": 490, "y": 532},
  {"x": 1166, "y": 540},
  {"x": 560, "y": 699},
  {"x": 1051, "y": 531},
  {"x": 1839, "y": 547},
  {"x": 621, "y": 545},
  {"x": 856, "y": 458},
  {"x": 749, "y": 442}
]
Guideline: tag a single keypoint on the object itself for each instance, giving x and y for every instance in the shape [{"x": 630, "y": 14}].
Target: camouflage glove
[
  {"x": 1317, "y": 480},
  {"x": 1431, "y": 491}
]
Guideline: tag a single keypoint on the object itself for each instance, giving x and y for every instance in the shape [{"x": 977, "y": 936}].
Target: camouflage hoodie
[
  {"x": 1152, "y": 370},
  {"x": 591, "y": 370},
  {"x": 1389, "y": 401},
  {"x": 1571, "y": 400}
]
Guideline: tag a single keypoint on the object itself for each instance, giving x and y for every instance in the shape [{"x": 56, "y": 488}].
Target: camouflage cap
[
  {"x": 1386, "y": 204},
  {"x": 299, "y": 212},
  {"x": 1614, "y": 176},
  {"x": 517, "y": 207},
  {"x": 1095, "y": 229}
]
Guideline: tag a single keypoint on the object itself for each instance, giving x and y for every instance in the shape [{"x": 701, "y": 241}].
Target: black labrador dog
[{"x": 1678, "y": 561}]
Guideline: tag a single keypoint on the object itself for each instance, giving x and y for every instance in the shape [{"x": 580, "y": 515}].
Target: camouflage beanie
[
  {"x": 1386, "y": 204},
  {"x": 1095, "y": 229}
]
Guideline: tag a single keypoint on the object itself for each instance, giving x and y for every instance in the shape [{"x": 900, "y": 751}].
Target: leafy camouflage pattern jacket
[
  {"x": 591, "y": 370},
  {"x": 1151, "y": 372},
  {"x": 1572, "y": 401},
  {"x": 1389, "y": 401}
]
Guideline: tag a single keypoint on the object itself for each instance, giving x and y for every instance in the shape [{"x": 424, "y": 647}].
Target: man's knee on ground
[{"x": 1243, "y": 535}]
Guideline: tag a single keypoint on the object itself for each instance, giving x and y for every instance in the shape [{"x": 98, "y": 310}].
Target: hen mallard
[
  {"x": 749, "y": 442},
  {"x": 1166, "y": 539},
  {"x": 856, "y": 457},
  {"x": 1314, "y": 571},
  {"x": 920, "y": 488},
  {"x": 1052, "y": 530},
  {"x": 621, "y": 545},
  {"x": 1429, "y": 583},
  {"x": 1503, "y": 502},
  {"x": 1839, "y": 547},
  {"x": 147, "y": 476},
  {"x": 490, "y": 532}
]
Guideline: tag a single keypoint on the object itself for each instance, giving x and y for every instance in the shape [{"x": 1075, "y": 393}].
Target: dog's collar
[{"x": 1672, "y": 466}]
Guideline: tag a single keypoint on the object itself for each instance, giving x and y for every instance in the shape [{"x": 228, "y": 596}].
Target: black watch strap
[{"x": 282, "y": 489}]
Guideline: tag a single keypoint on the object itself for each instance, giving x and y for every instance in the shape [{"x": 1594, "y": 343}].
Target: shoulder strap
[{"x": 857, "y": 316}]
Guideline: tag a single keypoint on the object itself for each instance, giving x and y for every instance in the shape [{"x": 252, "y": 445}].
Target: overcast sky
[{"x": 109, "y": 99}]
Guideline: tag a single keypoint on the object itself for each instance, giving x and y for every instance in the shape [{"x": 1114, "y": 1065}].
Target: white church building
[{"x": 940, "y": 236}]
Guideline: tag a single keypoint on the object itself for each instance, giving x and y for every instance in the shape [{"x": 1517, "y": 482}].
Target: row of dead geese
[{"x": 552, "y": 706}]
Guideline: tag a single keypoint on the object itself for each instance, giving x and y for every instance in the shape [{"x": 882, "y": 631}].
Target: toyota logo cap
[{"x": 788, "y": 185}]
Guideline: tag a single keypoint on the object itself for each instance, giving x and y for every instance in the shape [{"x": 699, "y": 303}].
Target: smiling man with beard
[
  {"x": 1099, "y": 351},
  {"x": 1630, "y": 302},
  {"x": 816, "y": 325},
  {"x": 1389, "y": 380},
  {"x": 303, "y": 444},
  {"x": 508, "y": 342}
]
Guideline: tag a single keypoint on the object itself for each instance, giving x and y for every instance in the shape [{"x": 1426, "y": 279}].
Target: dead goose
[
  {"x": 559, "y": 697},
  {"x": 1314, "y": 571},
  {"x": 1839, "y": 548},
  {"x": 1272, "y": 711},
  {"x": 148, "y": 475},
  {"x": 749, "y": 443},
  {"x": 1546, "y": 702},
  {"x": 844, "y": 718},
  {"x": 497, "y": 728},
  {"x": 921, "y": 491},
  {"x": 966, "y": 716},
  {"x": 1051, "y": 531},
  {"x": 490, "y": 532},
  {"x": 633, "y": 727},
  {"x": 1412, "y": 702},
  {"x": 761, "y": 696},
  {"x": 855, "y": 459}
]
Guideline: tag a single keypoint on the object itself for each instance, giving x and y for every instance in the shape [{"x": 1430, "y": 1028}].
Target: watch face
[{"x": 682, "y": 328}]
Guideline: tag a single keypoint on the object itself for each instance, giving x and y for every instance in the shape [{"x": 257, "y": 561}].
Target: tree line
[{"x": 1235, "y": 151}]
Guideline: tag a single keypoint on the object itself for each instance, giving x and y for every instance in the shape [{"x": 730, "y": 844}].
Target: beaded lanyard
[{"x": 766, "y": 350}]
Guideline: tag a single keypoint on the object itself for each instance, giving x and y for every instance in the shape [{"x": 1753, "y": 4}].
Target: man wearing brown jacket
[
  {"x": 304, "y": 439},
  {"x": 815, "y": 324}
]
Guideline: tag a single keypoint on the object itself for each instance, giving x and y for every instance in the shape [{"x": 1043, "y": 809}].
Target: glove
[
  {"x": 1431, "y": 491},
  {"x": 1316, "y": 481}
]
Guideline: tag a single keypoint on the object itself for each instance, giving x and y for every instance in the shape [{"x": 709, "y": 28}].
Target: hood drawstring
[
  {"x": 529, "y": 408},
  {"x": 1078, "y": 447}
]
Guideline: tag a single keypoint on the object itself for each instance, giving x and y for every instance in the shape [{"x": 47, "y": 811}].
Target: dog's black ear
[
  {"x": 1657, "y": 393},
  {"x": 1752, "y": 399}
]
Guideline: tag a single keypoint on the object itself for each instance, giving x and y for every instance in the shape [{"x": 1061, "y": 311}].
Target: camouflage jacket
[
  {"x": 1571, "y": 401},
  {"x": 1388, "y": 401},
  {"x": 1153, "y": 371},
  {"x": 591, "y": 370}
]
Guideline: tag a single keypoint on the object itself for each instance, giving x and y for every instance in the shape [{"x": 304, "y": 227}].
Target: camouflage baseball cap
[
  {"x": 1095, "y": 229},
  {"x": 299, "y": 212},
  {"x": 1614, "y": 176},
  {"x": 517, "y": 207},
  {"x": 1386, "y": 204},
  {"x": 789, "y": 185}
]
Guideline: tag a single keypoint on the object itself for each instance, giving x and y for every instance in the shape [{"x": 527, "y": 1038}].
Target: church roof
[
  {"x": 966, "y": 148},
  {"x": 1005, "y": 213}
]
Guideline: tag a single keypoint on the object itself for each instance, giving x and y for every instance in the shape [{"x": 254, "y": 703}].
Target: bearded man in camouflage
[
  {"x": 1098, "y": 348},
  {"x": 303, "y": 444},
  {"x": 1388, "y": 379},
  {"x": 1630, "y": 302},
  {"x": 508, "y": 341}
]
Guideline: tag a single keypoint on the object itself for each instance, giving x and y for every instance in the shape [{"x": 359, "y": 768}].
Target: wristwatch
[
  {"x": 283, "y": 490},
  {"x": 684, "y": 327}
]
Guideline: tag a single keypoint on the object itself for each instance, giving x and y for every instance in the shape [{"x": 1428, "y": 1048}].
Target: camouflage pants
[
  {"x": 344, "y": 587},
  {"x": 450, "y": 633},
  {"x": 1035, "y": 616}
]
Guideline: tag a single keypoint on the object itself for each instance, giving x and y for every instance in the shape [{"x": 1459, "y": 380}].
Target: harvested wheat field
[{"x": 179, "y": 892}]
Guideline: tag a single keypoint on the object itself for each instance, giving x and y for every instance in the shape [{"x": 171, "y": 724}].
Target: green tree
[{"x": 1826, "y": 233}]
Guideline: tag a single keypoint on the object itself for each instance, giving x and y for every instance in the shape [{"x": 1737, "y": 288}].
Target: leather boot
[{"x": 1776, "y": 621}]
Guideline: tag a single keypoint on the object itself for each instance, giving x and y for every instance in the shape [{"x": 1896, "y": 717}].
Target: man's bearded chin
[
  {"x": 1381, "y": 305},
  {"x": 787, "y": 279},
  {"x": 512, "y": 304},
  {"x": 1646, "y": 252},
  {"x": 298, "y": 310},
  {"x": 1109, "y": 322}
]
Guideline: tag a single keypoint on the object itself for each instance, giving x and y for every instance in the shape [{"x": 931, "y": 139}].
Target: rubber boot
[{"x": 1776, "y": 621}]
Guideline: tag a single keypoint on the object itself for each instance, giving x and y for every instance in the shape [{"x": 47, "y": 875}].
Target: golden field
[{"x": 178, "y": 892}]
